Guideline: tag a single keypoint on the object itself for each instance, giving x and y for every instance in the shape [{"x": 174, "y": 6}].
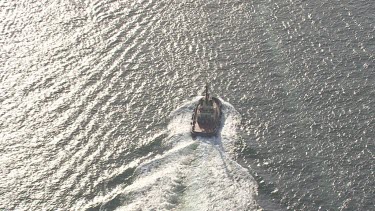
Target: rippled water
[{"x": 96, "y": 99}]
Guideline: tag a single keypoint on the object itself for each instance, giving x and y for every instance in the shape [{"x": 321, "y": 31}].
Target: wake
[{"x": 195, "y": 174}]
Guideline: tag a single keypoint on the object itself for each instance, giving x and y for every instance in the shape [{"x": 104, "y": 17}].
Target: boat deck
[{"x": 209, "y": 128}]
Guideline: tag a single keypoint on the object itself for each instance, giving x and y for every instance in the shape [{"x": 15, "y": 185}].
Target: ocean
[{"x": 96, "y": 99}]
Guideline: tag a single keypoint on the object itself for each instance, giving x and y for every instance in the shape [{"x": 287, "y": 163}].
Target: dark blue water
[{"x": 96, "y": 99}]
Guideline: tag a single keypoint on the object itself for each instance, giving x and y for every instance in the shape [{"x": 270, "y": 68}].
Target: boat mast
[{"x": 206, "y": 91}]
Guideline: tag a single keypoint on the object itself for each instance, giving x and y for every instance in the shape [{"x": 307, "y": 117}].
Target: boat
[{"x": 206, "y": 119}]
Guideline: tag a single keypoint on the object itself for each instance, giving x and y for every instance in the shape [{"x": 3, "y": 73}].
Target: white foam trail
[
  {"x": 193, "y": 175},
  {"x": 181, "y": 118}
]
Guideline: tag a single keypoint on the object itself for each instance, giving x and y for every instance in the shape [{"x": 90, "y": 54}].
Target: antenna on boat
[{"x": 206, "y": 91}]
